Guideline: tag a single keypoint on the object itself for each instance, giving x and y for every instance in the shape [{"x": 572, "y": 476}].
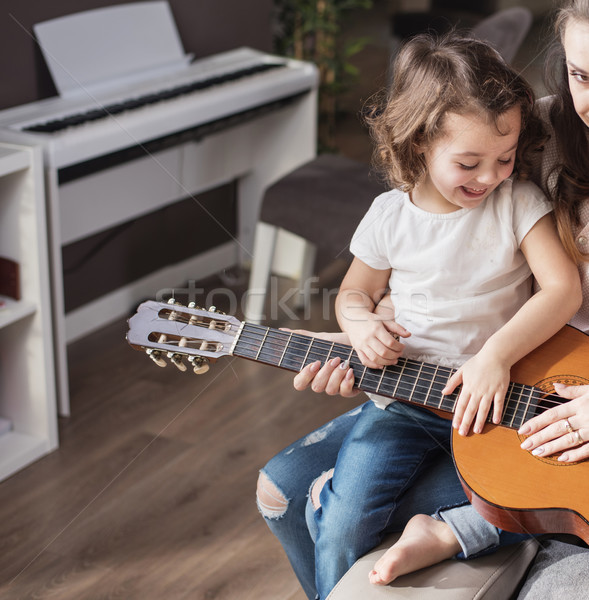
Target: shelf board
[
  {"x": 14, "y": 310},
  {"x": 13, "y": 160},
  {"x": 18, "y": 450}
]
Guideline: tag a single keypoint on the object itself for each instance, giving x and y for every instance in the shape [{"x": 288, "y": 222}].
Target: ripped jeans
[{"x": 286, "y": 479}]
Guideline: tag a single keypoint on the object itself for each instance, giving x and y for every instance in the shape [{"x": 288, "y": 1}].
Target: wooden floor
[
  {"x": 151, "y": 494},
  {"x": 152, "y": 491}
]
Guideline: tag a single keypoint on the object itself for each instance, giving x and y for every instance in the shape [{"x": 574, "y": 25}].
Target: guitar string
[
  {"x": 345, "y": 350},
  {"x": 306, "y": 344},
  {"x": 527, "y": 395}
]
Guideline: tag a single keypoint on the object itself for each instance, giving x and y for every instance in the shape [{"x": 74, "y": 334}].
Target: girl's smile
[{"x": 474, "y": 193}]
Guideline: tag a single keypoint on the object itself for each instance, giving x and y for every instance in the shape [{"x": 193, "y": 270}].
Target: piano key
[
  {"x": 77, "y": 119},
  {"x": 182, "y": 106}
]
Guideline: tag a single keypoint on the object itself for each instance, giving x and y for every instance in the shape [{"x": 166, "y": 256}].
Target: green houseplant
[{"x": 310, "y": 30}]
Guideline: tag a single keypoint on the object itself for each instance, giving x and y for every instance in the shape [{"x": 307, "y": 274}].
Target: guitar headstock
[{"x": 175, "y": 331}]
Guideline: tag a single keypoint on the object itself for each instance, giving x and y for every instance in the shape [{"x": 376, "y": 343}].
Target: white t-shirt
[{"x": 458, "y": 277}]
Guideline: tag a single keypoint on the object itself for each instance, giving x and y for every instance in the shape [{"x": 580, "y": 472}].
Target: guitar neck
[{"x": 409, "y": 380}]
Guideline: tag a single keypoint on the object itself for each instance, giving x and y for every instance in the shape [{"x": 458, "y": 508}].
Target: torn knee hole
[
  {"x": 271, "y": 501},
  {"x": 318, "y": 486}
]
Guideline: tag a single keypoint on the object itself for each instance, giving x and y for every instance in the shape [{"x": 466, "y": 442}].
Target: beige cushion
[{"x": 493, "y": 577}]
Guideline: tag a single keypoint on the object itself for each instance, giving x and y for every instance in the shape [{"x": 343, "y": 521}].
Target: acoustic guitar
[{"x": 510, "y": 487}]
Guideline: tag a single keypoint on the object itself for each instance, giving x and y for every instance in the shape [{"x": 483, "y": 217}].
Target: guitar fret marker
[
  {"x": 516, "y": 404},
  {"x": 350, "y": 356},
  {"x": 237, "y": 336},
  {"x": 329, "y": 353}
]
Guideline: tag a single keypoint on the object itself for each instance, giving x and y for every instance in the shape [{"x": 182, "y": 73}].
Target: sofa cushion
[
  {"x": 559, "y": 571},
  {"x": 493, "y": 577}
]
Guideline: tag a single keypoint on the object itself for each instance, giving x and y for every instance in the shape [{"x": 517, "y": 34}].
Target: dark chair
[
  {"x": 505, "y": 30},
  {"x": 307, "y": 221},
  {"x": 442, "y": 16}
]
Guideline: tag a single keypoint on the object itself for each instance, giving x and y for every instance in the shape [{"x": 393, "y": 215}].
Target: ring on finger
[
  {"x": 579, "y": 438},
  {"x": 568, "y": 426}
]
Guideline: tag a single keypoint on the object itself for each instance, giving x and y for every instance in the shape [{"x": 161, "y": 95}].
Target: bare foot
[{"x": 424, "y": 542}]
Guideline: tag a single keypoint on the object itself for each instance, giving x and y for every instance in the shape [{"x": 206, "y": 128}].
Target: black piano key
[
  {"x": 152, "y": 98},
  {"x": 97, "y": 113},
  {"x": 198, "y": 132}
]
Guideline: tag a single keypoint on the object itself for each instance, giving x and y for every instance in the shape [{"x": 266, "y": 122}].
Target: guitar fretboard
[{"x": 409, "y": 380}]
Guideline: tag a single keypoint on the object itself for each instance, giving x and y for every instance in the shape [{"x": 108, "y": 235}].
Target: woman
[{"x": 563, "y": 173}]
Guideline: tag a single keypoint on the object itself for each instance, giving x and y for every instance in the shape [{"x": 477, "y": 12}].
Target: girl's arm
[
  {"x": 485, "y": 377},
  {"x": 371, "y": 334}
]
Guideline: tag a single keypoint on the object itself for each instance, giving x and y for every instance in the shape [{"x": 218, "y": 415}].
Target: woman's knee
[
  {"x": 317, "y": 486},
  {"x": 272, "y": 503}
]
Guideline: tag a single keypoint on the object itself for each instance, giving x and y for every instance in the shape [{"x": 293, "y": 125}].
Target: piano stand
[{"x": 256, "y": 154}]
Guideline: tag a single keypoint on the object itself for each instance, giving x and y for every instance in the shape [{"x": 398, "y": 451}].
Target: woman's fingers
[
  {"x": 305, "y": 376},
  {"x": 564, "y": 428},
  {"x": 335, "y": 377}
]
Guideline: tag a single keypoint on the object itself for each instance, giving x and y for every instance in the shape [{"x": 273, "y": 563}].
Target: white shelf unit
[{"x": 27, "y": 372}]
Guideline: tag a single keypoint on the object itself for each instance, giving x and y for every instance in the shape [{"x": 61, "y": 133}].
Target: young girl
[
  {"x": 561, "y": 169},
  {"x": 450, "y": 241}
]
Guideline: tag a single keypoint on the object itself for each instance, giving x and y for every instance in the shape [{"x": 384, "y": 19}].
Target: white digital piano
[{"x": 138, "y": 125}]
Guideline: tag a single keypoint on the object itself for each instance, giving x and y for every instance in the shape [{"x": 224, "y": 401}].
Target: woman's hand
[
  {"x": 334, "y": 377},
  {"x": 564, "y": 428}
]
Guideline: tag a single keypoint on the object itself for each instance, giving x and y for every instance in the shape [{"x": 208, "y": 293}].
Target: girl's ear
[{"x": 419, "y": 146}]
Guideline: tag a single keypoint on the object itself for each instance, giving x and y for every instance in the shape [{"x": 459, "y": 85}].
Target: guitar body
[{"x": 510, "y": 487}]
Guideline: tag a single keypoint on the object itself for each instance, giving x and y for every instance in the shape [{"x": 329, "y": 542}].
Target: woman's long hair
[{"x": 572, "y": 170}]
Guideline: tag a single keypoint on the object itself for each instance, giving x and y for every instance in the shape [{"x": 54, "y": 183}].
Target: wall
[{"x": 205, "y": 26}]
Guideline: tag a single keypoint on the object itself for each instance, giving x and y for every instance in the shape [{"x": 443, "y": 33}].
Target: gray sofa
[
  {"x": 549, "y": 569},
  {"x": 493, "y": 577}
]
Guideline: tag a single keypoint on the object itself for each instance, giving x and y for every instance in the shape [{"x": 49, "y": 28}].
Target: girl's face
[
  {"x": 468, "y": 161},
  {"x": 576, "y": 48}
]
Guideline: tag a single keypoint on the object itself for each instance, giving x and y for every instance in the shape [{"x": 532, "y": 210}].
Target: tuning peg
[
  {"x": 156, "y": 356},
  {"x": 200, "y": 365},
  {"x": 176, "y": 360},
  {"x": 213, "y": 309}
]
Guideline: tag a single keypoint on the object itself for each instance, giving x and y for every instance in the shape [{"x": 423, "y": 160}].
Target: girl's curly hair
[{"x": 434, "y": 76}]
